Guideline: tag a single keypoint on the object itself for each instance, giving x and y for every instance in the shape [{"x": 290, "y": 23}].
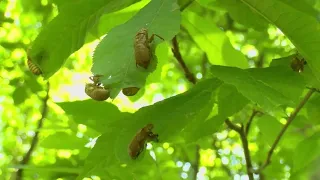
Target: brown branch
[
  {"x": 216, "y": 148},
  {"x": 35, "y": 139},
  {"x": 241, "y": 131},
  {"x": 196, "y": 163},
  {"x": 285, "y": 127},
  {"x": 254, "y": 113},
  {"x": 176, "y": 52}
]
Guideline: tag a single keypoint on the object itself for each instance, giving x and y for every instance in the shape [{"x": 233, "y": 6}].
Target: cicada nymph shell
[
  {"x": 138, "y": 143},
  {"x": 142, "y": 49},
  {"x": 130, "y": 91},
  {"x": 298, "y": 64},
  {"x": 95, "y": 90},
  {"x": 33, "y": 68}
]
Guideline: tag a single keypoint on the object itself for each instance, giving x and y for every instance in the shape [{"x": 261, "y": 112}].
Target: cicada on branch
[
  {"x": 95, "y": 90},
  {"x": 142, "y": 49},
  {"x": 138, "y": 143}
]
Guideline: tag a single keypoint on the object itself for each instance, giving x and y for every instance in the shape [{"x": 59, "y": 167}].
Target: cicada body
[
  {"x": 138, "y": 143},
  {"x": 142, "y": 50},
  {"x": 298, "y": 64},
  {"x": 130, "y": 91},
  {"x": 95, "y": 90},
  {"x": 33, "y": 68}
]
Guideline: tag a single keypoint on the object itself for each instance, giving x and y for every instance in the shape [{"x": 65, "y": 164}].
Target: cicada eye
[{"x": 33, "y": 68}]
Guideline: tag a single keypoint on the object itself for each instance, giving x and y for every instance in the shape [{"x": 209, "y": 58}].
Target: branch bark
[
  {"x": 176, "y": 52},
  {"x": 285, "y": 127},
  {"x": 243, "y": 136},
  {"x": 196, "y": 163},
  {"x": 35, "y": 139}
]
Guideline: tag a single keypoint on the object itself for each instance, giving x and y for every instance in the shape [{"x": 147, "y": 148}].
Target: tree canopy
[{"x": 160, "y": 89}]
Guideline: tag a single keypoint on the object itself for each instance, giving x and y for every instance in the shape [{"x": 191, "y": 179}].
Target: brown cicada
[
  {"x": 298, "y": 64},
  {"x": 138, "y": 143},
  {"x": 95, "y": 90},
  {"x": 130, "y": 91},
  {"x": 142, "y": 49}
]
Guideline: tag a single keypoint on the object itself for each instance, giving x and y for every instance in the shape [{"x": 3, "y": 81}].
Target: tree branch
[
  {"x": 177, "y": 55},
  {"x": 285, "y": 127},
  {"x": 35, "y": 139},
  {"x": 196, "y": 163},
  {"x": 254, "y": 113},
  {"x": 245, "y": 145}
]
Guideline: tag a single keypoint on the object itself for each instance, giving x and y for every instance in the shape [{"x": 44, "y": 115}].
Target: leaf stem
[
  {"x": 176, "y": 52},
  {"x": 35, "y": 139},
  {"x": 243, "y": 136},
  {"x": 285, "y": 127}
]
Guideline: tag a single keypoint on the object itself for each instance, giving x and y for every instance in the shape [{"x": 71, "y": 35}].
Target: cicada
[
  {"x": 33, "y": 68},
  {"x": 130, "y": 91},
  {"x": 298, "y": 64},
  {"x": 142, "y": 48},
  {"x": 95, "y": 90},
  {"x": 138, "y": 143}
]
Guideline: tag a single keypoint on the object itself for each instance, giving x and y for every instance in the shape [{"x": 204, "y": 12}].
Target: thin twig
[
  {"x": 254, "y": 113},
  {"x": 285, "y": 127},
  {"x": 176, "y": 52},
  {"x": 245, "y": 146},
  {"x": 196, "y": 163},
  {"x": 216, "y": 148},
  {"x": 204, "y": 64},
  {"x": 35, "y": 139}
]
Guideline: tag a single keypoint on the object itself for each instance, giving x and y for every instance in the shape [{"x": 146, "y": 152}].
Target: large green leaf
[
  {"x": 62, "y": 140},
  {"x": 66, "y": 33},
  {"x": 302, "y": 29},
  {"x": 111, "y": 20},
  {"x": 94, "y": 114},
  {"x": 306, "y": 152},
  {"x": 169, "y": 117},
  {"x": 283, "y": 79},
  {"x": 254, "y": 88},
  {"x": 114, "y": 56},
  {"x": 243, "y": 14},
  {"x": 213, "y": 41},
  {"x": 309, "y": 77},
  {"x": 269, "y": 127}
]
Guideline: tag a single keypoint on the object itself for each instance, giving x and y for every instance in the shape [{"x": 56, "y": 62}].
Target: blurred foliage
[{"x": 240, "y": 52}]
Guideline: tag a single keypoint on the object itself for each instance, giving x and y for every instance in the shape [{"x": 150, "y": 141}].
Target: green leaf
[
  {"x": 286, "y": 81},
  {"x": 312, "y": 107},
  {"x": 251, "y": 87},
  {"x": 94, "y": 114},
  {"x": 111, "y": 20},
  {"x": 62, "y": 140},
  {"x": 230, "y": 101},
  {"x": 114, "y": 56},
  {"x": 19, "y": 95},
  {"x": 309, "y": 77},
  {"x": 213, "y": 41},
  {"x": 306, "y": 152},
  {"x": 243, "y": 14},
  {"x": 66, "y": 33},
  {"x": 169, "y": 117},
  {"x": 269, "y": 128},
  {"x": 302, "y": 29}
]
